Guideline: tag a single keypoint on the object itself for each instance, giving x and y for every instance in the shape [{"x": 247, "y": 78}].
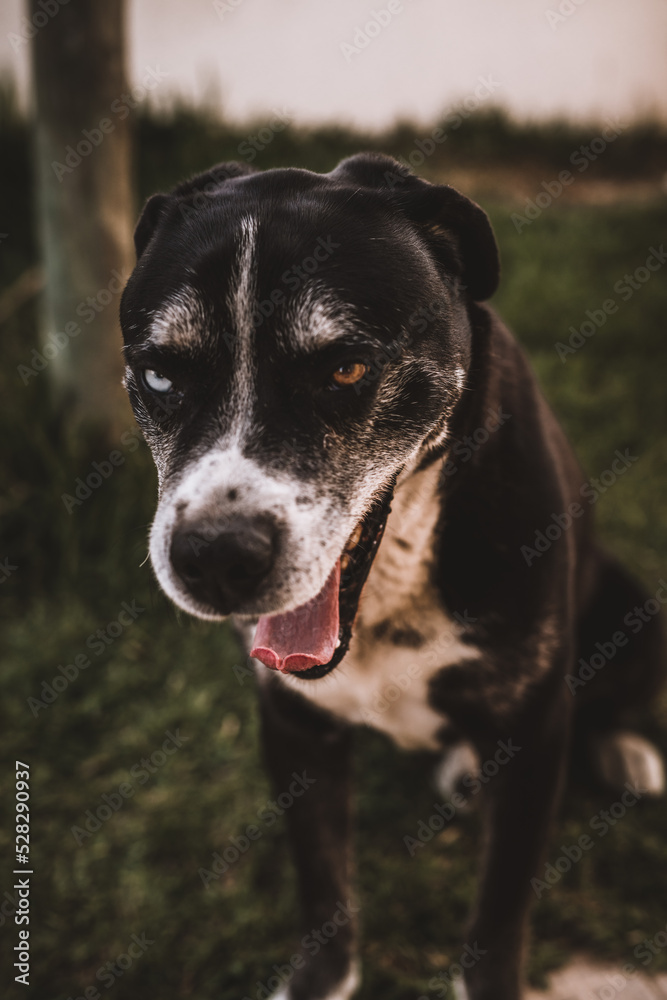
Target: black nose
[{"x": 226, "y": 569}]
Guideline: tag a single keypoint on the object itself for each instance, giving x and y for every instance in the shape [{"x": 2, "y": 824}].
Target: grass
[{"x": 139, "y": 872}]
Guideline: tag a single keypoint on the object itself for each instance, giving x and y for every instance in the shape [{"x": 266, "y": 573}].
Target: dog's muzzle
[{"x": 229, "y": 565}]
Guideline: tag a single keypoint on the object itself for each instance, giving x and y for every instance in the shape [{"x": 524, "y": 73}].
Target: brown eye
[{"x": 350, "y": 373}]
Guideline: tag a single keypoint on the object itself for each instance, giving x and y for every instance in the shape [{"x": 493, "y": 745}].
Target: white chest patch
[
  {"x": 386, "y": 686},
  {"x": 402, "y": 636}
]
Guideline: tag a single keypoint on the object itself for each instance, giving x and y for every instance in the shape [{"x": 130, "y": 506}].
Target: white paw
[
  {"x": 459, "y": 761},
  {"x": 621, "y": 757}
]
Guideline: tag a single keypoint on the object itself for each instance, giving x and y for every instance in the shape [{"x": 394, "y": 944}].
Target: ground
[{"x": 582, "y": 979}]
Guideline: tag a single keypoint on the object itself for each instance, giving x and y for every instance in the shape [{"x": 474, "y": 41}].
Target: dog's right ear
[
  {"x": 456, "y": 230},
  {"x": 188, "y": 195}
]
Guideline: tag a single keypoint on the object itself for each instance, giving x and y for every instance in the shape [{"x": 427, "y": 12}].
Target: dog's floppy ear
[
  {"x": 186, "y": 194},
  {"x": 148, "y": 221},
  {"x": 440, "y": 211},
  {"x": 458, "y": 231}
]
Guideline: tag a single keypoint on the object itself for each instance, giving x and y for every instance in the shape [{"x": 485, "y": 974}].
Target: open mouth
[{"x": 312, "y": 639}]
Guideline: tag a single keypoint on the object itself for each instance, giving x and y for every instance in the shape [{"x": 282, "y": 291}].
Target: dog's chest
[
  {"x": 402, "y": 635},
  {"x": 384, "y": 683}
]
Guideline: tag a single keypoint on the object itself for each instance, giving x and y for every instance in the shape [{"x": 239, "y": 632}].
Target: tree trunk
[{"x": 85, "y": 205}]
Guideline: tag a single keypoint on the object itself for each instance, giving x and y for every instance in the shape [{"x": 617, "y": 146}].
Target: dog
[{"x": 357, "y": 466}]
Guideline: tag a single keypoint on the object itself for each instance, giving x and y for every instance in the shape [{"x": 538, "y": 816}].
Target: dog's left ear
[{"x": 458, "y": 232}]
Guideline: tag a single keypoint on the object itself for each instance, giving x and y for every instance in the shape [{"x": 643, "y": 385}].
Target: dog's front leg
[
  {"x": 307, "y": 748},
  {"x": 519, "y": 806}
]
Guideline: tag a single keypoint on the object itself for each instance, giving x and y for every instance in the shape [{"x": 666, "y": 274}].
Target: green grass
[{"x": 138, "y": 874}]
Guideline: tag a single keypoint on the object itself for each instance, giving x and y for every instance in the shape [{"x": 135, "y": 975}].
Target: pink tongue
[{"x": 303, "y": 638}]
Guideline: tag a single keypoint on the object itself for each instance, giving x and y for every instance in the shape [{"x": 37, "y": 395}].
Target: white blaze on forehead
[
  {"x": 184, "y": 320},
  {"x": 317, "y": 318},
  {"x": 181, "y": 321},
  {"x": 241, "y": 302}
]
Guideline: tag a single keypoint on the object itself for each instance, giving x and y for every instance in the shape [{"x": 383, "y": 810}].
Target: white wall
[{"x": 608, "y": 57}]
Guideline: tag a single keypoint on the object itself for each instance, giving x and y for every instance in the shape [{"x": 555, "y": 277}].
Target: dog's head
[{"x": 294, "y": 341}]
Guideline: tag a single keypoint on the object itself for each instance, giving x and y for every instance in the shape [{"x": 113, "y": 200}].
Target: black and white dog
[{"x": 356, "y": 462}]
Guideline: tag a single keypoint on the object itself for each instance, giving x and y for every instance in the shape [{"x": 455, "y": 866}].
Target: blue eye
[{"x": 157, "y": 382}]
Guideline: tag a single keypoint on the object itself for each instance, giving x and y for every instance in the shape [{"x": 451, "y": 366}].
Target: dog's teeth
[
  {"x": 337, "y": 643},
  {"x": 344, "y": 561}
]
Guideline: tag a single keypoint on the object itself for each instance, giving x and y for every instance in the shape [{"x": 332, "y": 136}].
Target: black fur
[{"x": 413, "y": 261}]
